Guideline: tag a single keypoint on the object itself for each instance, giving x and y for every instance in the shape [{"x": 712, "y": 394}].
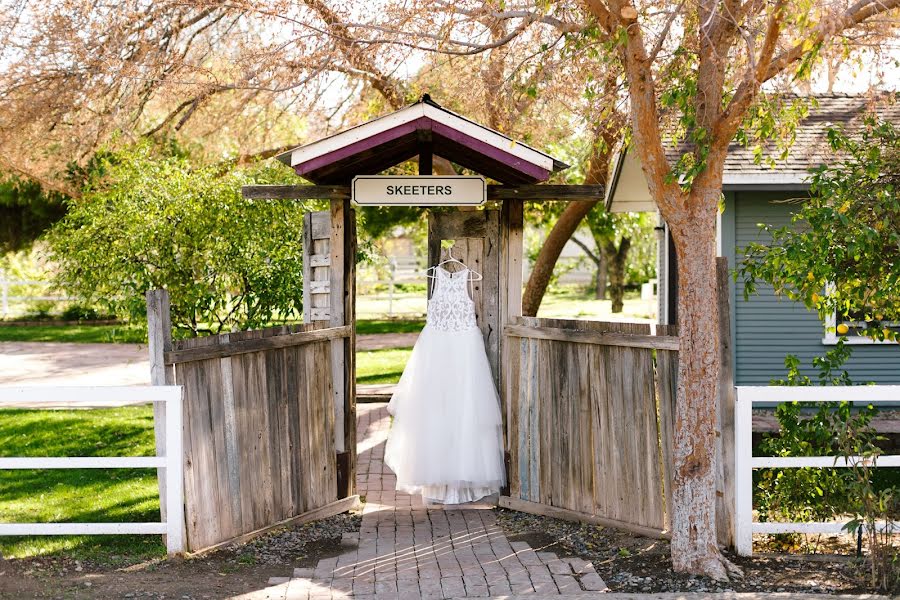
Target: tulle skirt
[{"x": 445, "y": 441}]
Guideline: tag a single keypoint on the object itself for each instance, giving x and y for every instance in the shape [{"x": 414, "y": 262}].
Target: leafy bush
[
  {"x": 80, "y": 312},
  {"x": 811, "y": 494},
  {"x": 40, "y": 310},
  {"x": 841, "y": 252},
  {"x": 149, "y": 219}
]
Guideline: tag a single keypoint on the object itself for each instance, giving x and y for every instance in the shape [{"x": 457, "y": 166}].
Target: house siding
[{"x": 768, "y": 327}]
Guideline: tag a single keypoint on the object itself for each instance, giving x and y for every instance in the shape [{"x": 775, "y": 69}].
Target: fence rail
[
  {"x": 745, "y": 462},
  {"x": 7, "y": 298},
  {"x": 173, "y": 525}
]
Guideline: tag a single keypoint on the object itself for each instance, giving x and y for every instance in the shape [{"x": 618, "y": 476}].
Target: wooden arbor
[
  {"x": 580, "y": 399},
  {"x": 489, "y": 240}
]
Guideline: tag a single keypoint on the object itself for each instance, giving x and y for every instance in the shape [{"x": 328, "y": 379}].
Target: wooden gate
[
  {"x": 589, "y": 404},
  {"x": 258, "y": 416},
  {"x": 475, "y": 235}
]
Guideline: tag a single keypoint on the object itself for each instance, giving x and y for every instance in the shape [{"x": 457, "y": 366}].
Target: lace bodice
[{"x": 450, "y": 307}]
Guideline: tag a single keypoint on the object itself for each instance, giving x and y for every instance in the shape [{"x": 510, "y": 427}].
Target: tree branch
[
  {"x": 588, "y": 251},
  {"x": 748, "y": 89},
  {"x": 665, "y": 32},
  {"x": 642, "y": 92},
  {"x": 853, "y": 16}
]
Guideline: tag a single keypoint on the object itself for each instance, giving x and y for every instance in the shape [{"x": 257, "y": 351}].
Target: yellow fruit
[
  {"x": 887, "y": 333},
  {"x": 879, "y": 317},
  {"x": 815, "y": 298},
  {"x": 810, "y": 276},
  {"x": 842, "y": 329}
]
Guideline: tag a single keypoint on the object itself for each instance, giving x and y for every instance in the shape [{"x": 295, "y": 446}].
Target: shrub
[{"x": 150, "y": 219}]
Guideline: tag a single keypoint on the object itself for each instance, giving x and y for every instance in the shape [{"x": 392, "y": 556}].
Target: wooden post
[
  {"x": 307, "y": 267},
  {"x": 342, "y": 312},
  {"x": 511, "y": 248},
  {"x": 743, "y": 450},
  {"x": 159, "y": 341},
  {"x": 725, "y": 506}
]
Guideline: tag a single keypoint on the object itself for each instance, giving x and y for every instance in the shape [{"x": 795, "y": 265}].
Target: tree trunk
[
  {"x": 694, "y": 542},
  {"x": 601, "y": 276},
  {"x": 552, "y": 247},
  {"x": 617, "y": 258}
]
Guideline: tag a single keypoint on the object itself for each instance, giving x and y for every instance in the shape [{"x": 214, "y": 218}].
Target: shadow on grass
[{"x": 79, "y": 495}]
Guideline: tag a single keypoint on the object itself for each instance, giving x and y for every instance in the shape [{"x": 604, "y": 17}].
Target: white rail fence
[
  {"x": 745, "y": 462},
  {"x": 170, "y": 464},
  {"x": 7, "y": 298}
]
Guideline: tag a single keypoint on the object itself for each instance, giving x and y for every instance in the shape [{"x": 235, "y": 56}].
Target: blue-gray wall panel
[{"x": 767, "y": 327}]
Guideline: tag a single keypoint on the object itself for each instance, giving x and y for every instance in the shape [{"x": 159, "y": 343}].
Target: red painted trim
[
  {"x": 523, "y": 166},
  {"x": 362, "y": 145},
  {"x": 528, "y": 169}
]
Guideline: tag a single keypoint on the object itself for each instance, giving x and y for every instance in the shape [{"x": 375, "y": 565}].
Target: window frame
[{"x": 831, "y": 336}]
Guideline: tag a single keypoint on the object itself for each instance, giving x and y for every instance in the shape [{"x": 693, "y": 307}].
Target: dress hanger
[{"x": 473, "y": 275}]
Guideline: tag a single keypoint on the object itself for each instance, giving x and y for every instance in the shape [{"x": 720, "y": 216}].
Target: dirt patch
[
  {"x": 232, "y": 571},
  {"x": 629, "y": 563}
]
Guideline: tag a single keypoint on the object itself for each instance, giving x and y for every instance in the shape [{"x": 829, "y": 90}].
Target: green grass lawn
[
  {"x": 381, "y": 366},
  {"x": 79, "y": 495},
  {"x": 137, "y": 334},
  {"x": 366, "y": 326},
  {"x": 83, "y": 334}
]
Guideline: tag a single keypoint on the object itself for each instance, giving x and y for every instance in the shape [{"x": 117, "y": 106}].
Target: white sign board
[{"x": 418, "y": 190}]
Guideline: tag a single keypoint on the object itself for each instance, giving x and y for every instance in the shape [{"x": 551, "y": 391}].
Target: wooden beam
[
  {"x": 628, "y": 340},
  {"x": 296, "y": 192},
  {"x": 256, "y": 344},
  {"x": 426, "y": 152},
  {"x": 547, "y": 193},
  {"x": 725, "y": 434}
]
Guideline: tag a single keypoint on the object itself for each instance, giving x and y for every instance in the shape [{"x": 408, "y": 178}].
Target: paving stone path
[{"x": 405, "y": 550}]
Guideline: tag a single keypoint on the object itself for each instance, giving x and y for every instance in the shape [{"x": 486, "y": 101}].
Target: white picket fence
[
  {"x": 170, "y": 464},
  {"x": 745, "y": 462}
]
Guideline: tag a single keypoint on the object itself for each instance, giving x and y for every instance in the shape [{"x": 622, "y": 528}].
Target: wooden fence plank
[
  {"x": 667, "y": 384},
  {"x": 627, "y": 340},
  {"x": 596, "y": 444},
  {"x": 725, "y": 474},
  {"x": 255, "y": 344}
]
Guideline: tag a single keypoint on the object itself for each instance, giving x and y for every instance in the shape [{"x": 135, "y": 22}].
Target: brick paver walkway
[{"x": 404, "y": 550}]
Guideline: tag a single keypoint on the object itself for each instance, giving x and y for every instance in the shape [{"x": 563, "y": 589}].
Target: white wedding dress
[{"x": 445, "y": 442}]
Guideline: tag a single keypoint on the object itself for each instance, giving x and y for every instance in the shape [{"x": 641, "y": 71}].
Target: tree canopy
[
  {"x": 841, "y": 253},
  {"x": 149, "y": 219}
]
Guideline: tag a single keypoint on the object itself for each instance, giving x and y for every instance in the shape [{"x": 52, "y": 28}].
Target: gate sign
[{"x": 418, "y": 190}]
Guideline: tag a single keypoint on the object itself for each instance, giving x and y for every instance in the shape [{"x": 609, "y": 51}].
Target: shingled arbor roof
[{"x": 424, "y": 128}]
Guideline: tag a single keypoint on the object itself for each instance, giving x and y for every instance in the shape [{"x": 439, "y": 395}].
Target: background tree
[
  {"x": 26, "y": 211},
  {"x": 841, "y": 256},
  {"x": 148, "y": 219},
  {"x": 245, "y": 79},
  {"x": 694, "y": 72},
  {"x": 614, "y": 236}
]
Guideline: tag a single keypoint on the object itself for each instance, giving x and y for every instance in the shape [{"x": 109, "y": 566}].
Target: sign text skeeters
[{"x": 418, "y": 190}]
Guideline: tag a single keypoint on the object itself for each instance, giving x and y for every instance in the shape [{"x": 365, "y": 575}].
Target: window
[{"x": 852, "y": 328}]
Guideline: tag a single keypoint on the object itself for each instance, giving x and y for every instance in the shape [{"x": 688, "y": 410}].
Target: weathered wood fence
[
  {"x": 587, "y": 408},
  {"x": 259, "y": 431},
  {"x": 590, "y": 420}
]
